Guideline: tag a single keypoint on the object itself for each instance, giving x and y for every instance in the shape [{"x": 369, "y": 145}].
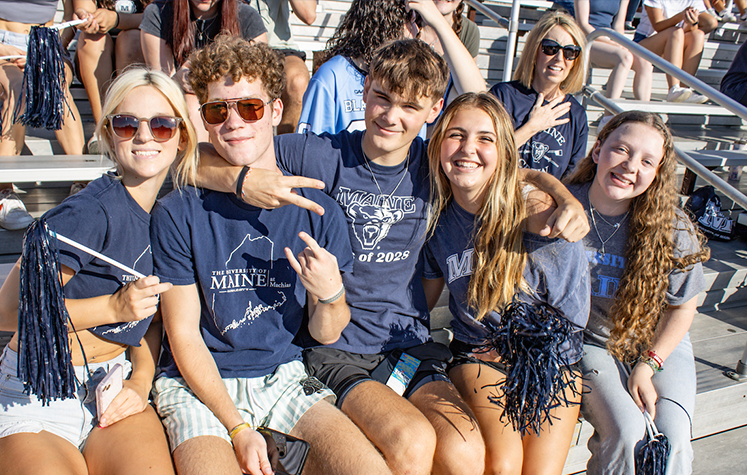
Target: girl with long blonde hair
[
  {"x": 479, "y": 244},
  {"x": 645, "y": 261},
  {"x": 113, "y": 317}
]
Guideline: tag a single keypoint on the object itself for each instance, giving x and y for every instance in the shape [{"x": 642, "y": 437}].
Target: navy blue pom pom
[
  {"x": 652, "y": 457},
  {"x": 44, "y": 360},
  {"x": 43, "y": 102},
  {"x": 529, "y": 342}
]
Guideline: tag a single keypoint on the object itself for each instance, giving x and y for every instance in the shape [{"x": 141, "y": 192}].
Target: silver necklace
[
  {"x": 615, "y": 225},
  {"x": 381, "y": 193}
]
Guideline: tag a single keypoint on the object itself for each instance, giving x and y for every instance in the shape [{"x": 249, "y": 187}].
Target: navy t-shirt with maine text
[
  {"x": 556, "y": 273},
  {"x": 106, "y": 218},
  {"x": 386, "y": 210},
  {"x": 555, "y": 150},
  {"x": 252, "y": 301}
]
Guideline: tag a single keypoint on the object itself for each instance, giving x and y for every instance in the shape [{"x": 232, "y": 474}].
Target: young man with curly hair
[{"x": 242, "y": 277}]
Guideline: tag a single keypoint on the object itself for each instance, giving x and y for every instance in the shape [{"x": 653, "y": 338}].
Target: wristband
[
  {"x": 651, "y": 363},
  {"x": 116, "y": 24},
  {"x": 657, "y": 358},
  {"x": 238, "y": 428},
  {"x": 696, "y": 23},
  {"x": 334, "y": 297},
  {"x": 245, "y": 171}
]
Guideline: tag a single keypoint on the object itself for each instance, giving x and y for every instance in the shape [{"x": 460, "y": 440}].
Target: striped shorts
[{"x": 277, "y": 401}]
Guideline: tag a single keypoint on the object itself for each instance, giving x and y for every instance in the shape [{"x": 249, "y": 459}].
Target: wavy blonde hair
[
  {"x": 185, "y": 164},
  {"x": 640, "y": 299},
  {"x": 525, "y": 68},
  {"x": 499, "y": 254}
]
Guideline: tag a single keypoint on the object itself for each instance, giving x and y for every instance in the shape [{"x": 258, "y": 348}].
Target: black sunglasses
[
  {"x": 551, "y": 48},
  {"x": 249, "y": 109},
  {"x": 162, "y": 127}
]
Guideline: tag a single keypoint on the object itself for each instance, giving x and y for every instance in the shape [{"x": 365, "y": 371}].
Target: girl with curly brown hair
[{"x": 645, "y": 260}]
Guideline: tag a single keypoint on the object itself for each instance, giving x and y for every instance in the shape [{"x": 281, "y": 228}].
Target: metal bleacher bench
[{"x": 46, "y": 168}]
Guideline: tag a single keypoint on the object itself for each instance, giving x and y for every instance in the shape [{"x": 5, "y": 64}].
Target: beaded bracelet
[
  {"x": 651, "y": 363},
  {"x": 660, "y": 362},
  {"x": 244, "y": 425}
]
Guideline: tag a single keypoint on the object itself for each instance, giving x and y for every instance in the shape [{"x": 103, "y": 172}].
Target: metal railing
[
  {"x": 727, "y": 102},
  {"x": 513, "y": 30}
]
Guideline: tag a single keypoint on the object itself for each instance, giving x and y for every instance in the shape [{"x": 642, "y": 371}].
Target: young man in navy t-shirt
[
  {"x": 379, "y": 177},
  {"x": 242, "y": 277}
]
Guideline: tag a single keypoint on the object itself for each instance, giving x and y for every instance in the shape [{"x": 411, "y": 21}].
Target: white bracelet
[{"x": 334, "y": 297}]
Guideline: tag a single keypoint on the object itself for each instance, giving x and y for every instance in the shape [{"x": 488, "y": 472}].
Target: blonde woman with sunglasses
[
  {"x": 113, "y": 317},
  {"x": 550, "y": 125}
]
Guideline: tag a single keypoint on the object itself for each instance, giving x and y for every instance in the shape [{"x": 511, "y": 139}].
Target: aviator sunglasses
[
  {"x": 249, "y": 109},
  {"x": 551, "y": 48},
  {"x": 162, "y": 127}
]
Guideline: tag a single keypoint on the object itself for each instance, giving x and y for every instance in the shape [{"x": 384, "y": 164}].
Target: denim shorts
[
  {"x": 277, "y": 401},
  {"x": 72, "y": 419},
  {"x": 638, "y": 37},
  {"x": 19, "y": 40}
]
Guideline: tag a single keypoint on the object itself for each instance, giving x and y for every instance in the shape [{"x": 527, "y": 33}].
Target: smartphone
[
  {"x": 108, "y": 388},
  {"x": 287, "y": 454},
  {"x": 396, "y": 371}
]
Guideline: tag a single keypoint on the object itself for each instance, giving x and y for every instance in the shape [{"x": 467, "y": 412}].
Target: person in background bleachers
[
  {"x": 333, "y": 101},
  {"x": 645, "y": 259},
  {"x": 276, "y": 17},
  {"x": 16, "y": 20},
  {"x": 734, "y": 82},
  {"x": 717, "y": 8},
  {"x": 675, "y": 30},
  {"x": 99, "y": 55},
  {"x": 605, "y": 53},
  {"x": 171, "y": 30},
  {"x": 550, "y": 125}
]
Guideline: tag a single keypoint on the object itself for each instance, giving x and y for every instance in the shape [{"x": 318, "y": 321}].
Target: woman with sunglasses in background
[
  {"x": 113, "y": 316},
  {"x": 550, "y": 125},
  {"x": 171, "y": 31},
  {"x": 605, "y": 53}
]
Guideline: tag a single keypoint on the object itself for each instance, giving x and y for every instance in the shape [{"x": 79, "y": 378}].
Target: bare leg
[
  {"x": 71, "y": 136},
  {"x": 337, "y": 445},
  {"x": 11, "y": 83},
  {"x": 95, "y": 57},
  {"x": 459, "y": 446},
  {"x": 296, "y": 80},
  {"x": 642, "y": 82},
  {"x": 507, "y": 453},
  {"x": 694, "y": 42},
  {"x": 396, "y": 427},
  {"x": 135, "y": 445},
  {"x": 608, "y": 55},
  {"x": 127, "y": 49},
  {"x": 40, "y": 454},
  {"x": 669, "y": 44},
  {"x": 206, "y": 454}
]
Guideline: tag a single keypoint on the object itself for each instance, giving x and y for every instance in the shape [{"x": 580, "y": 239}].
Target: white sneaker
[
  {"x": 743, "y": 17},
  {"x": 679, "y": 94},
  {"x": 696, "y": 98},
  {"x": 13, "y": 214},
  {"x": 727, "y": 16}
]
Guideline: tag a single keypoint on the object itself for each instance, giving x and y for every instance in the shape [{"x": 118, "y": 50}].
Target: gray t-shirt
[
  {"x": 29, "y": 11},
  {"x": 606, "y": 268}
]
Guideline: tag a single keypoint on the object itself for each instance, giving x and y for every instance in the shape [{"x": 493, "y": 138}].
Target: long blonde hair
[
  {"x": 499, "y": 255},
  {"x": 185, "y": 165},
  {"x": 525, "y": 68},
  {"x": 640, "y": 299}
]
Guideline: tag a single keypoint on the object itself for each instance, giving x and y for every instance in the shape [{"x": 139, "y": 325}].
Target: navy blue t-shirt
[
  {"x": 556, "y": 273},
  {"x": 385, "y": 294},
  {"x": 601, "y": 12},
  {"x": 106, "y": 218},
  {"x": 252, "y": 301},
  {"x": 555, "y": 150}
]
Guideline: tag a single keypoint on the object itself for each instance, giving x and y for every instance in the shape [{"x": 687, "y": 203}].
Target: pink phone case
[{"x": 108, "y": 388}]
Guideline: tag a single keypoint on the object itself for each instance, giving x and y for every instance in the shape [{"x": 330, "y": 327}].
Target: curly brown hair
[
  {"x": 651, "y": 250},
  {"x": 237, "y": 58},
  {"x": 367, "y": 25}
]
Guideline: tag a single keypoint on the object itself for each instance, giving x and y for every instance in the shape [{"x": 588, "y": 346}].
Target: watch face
[{"x": 125, "y": 6}]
